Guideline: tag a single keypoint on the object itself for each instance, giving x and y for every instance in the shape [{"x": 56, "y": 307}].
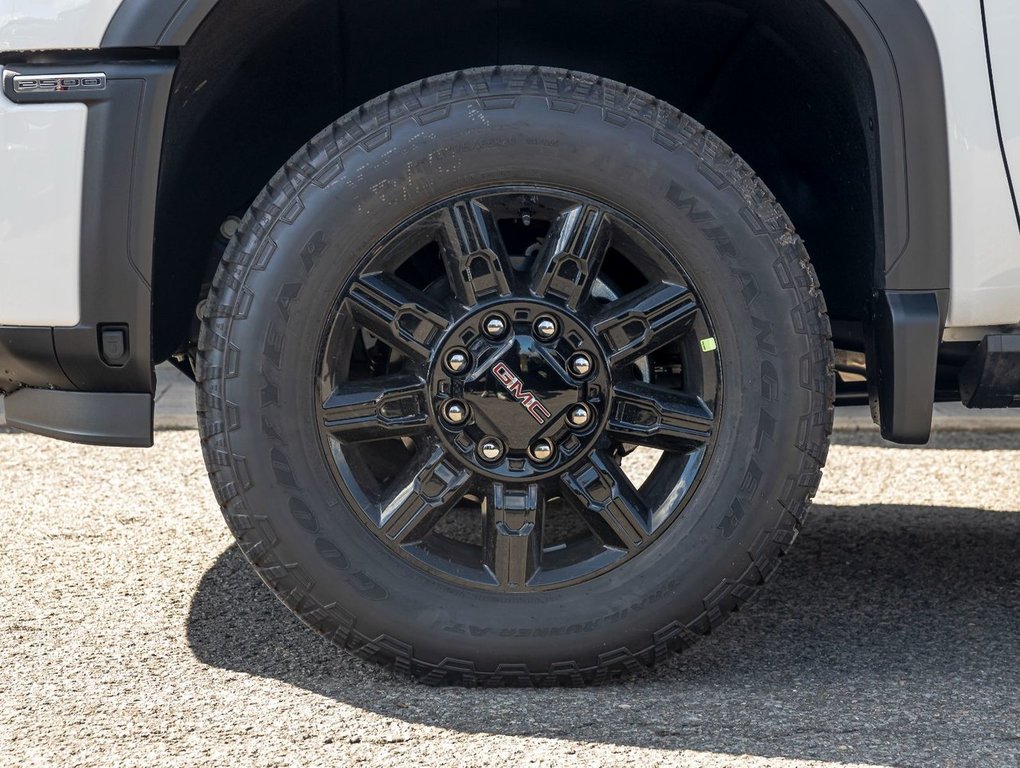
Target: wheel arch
[{"x": 891, "y": 77}]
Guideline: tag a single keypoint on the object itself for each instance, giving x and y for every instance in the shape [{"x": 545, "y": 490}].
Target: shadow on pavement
[{"x": 891, "y": 635}]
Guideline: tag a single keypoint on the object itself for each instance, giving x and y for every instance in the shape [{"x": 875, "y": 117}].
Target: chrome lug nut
[
  {"x": 490, "y": 449},
  {"x": 457, "y": 361},
  {"x": 546, "y": 328},
  {"x": 494, "y": 326},
  {"x": 542, "y": 450},
  {"x": 455, "y": 412},
  {"x": 581, "y": 364},
  {"x": 579, "y": 416}
]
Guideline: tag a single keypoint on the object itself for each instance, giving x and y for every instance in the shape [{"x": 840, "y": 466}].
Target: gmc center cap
[{"x": 531, "y": 388}]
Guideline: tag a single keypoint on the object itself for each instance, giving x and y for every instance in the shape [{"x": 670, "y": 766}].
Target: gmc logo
[{"x": 516, "y": 388}]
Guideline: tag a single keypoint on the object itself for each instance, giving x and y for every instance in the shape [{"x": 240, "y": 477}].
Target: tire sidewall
[{"x": 306, "y": 245}]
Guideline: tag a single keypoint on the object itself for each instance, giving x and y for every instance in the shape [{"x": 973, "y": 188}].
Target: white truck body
[{"x": 41, "y": 157}]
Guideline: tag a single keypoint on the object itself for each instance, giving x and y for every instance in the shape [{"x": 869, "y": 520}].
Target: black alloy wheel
[
  {"x": 507, "y": 384},
  {"x": 515, "y": 375}
]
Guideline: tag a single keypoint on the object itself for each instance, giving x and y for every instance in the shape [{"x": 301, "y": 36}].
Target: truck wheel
[{"x": 515, "y": 375}]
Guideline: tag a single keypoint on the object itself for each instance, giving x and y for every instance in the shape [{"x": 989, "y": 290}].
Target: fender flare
[
  {"x": 913, "y": 245},
  {"x": 901, "y": 51}
]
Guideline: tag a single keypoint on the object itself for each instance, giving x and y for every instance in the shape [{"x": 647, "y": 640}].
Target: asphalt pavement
[{"x": 133, "y": 633}]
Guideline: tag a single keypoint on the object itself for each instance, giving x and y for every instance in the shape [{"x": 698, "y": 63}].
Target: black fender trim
[
  {"x": 123, "y": 148},
  {"x": 27, "y": 359},
  {"x": 912, "y": 280},
  {"x": 156, "y": 23},
  {"x": 912, "y": 182},
  {"x": 94, "y": 418},
  {"x": 903, "y": 57}
]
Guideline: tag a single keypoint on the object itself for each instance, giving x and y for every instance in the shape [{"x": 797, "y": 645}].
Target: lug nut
[
  {"x": 490, "y": 449},
  {"x": 546, "y": 328},
  {"x": 455, "y": 412},
  {"x": 579, "y": 416},
  {"x": 542, "y": 450},
  {"x": 581, "y": 365},
  {"x": 457, "y": 361},
  {"x": 494, "y": 326}
]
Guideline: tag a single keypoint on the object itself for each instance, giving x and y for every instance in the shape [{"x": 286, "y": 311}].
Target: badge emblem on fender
[
  {"x": 515, "y": 387},
  {"x": 57, "y": 83}
]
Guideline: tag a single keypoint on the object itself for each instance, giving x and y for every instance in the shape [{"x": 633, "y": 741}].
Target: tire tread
[{"x": 318, "y": 162}]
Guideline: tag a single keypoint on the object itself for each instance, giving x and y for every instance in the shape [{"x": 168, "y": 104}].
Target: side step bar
[{"x": 991, "y": 378}]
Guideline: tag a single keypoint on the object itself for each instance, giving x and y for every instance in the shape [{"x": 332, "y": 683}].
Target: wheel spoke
[
  {"x": 482, "y": 380},
  {"x": 398, "y": 313},
  {"x": 474, "y": 254},
  {"x": 572, "y": 255},
  {"x": 609, "y": 501},
  {"x": 373, "y": 409},
  {"x": 421, "y": 496},
  {"x": 513, "y": 533},
  {"x": 641, "y": 322},
  {"x": 657, "y": 417}
]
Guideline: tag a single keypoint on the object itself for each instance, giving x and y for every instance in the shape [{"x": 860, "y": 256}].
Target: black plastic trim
[
  {"x": 903, "y": 56},
  {"x": 915, "y": 261},
  {"x": 122, "y": 155},
  {"x": 121, "y": 168},
  {"x": 94, "y": 418},
  {"x": 904, "y": 338},
  {"x": 913, "y": 185},
  {"x": 156, "y": 23},
  {"x": 27, "y": 358}
]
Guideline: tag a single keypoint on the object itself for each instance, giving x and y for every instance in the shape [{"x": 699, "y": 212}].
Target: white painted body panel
[
  {"x": 1003, "y": 18},
  {"x": 27, "y": 25},
  {"x": 986, "y": 238},
  {"x": 42, "y": 150}
]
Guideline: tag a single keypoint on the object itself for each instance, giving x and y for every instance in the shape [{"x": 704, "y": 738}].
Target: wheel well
[{"x": 782, "y": 81}]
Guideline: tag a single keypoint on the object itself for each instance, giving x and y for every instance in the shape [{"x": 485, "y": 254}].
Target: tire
[{"x": 748, "y": 357}]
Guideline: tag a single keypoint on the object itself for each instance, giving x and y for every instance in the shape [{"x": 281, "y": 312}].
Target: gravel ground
[
  {"x": 134, "y": 634},
  {"x": 175, "y": 409}
]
